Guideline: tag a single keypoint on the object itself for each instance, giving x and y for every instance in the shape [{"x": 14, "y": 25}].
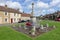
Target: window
[
  {"x": 17, "y": 14},
  {"x": 14, "y": 14},
  {"x": 6, "y": 13},
  {"x": 6, "y": 20}
]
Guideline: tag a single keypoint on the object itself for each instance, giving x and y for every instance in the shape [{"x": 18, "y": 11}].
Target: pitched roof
[
  {"x": 2, "y": 8},
  {"x": 25, "y": 15}
]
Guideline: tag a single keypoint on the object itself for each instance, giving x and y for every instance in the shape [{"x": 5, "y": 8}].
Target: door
[{"x": 11, "y": 20}]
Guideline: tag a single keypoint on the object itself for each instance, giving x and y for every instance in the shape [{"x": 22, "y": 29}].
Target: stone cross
[
  {"x": 47, "y": 25},
  {"x": 42, "y": 27},
  {"x": 54, "y": 26}
]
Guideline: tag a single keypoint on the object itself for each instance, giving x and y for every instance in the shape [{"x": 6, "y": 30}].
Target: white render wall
[
  {"x": 0, "y": 20},
  {"x": 25, "y": 18},
  {"x": 11, "y": 15},
  {"x": 5, "y": 17},
  {"x": 17, "y": 17}
]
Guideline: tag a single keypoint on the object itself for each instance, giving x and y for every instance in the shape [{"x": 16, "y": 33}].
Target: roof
[
  {"x": 2, "y": 8},
  {"x": 25, "y": 15}
]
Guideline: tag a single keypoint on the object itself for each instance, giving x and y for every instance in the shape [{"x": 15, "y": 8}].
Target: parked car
[
  {"x": 23, "y": 21},
  {"x": 57, "y": 19},
  {"x": 28, "y": 20}
]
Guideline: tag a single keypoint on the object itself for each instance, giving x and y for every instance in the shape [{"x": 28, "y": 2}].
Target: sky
[{"x": 41, "y": 7}]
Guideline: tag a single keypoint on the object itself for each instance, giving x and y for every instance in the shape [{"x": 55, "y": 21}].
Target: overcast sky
[{"x": 41, "y": 7}]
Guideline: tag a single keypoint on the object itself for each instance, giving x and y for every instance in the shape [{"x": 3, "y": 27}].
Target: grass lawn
[
  {"x": 52, "y": 35},
  {"x": 7, "y": 33}
]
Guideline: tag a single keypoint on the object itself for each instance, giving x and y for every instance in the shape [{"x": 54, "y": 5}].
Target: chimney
[
  {"x": 5, "y": 5},
  {"x": 23, "y": 11},
  {"x": 18, "y": 9}
]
